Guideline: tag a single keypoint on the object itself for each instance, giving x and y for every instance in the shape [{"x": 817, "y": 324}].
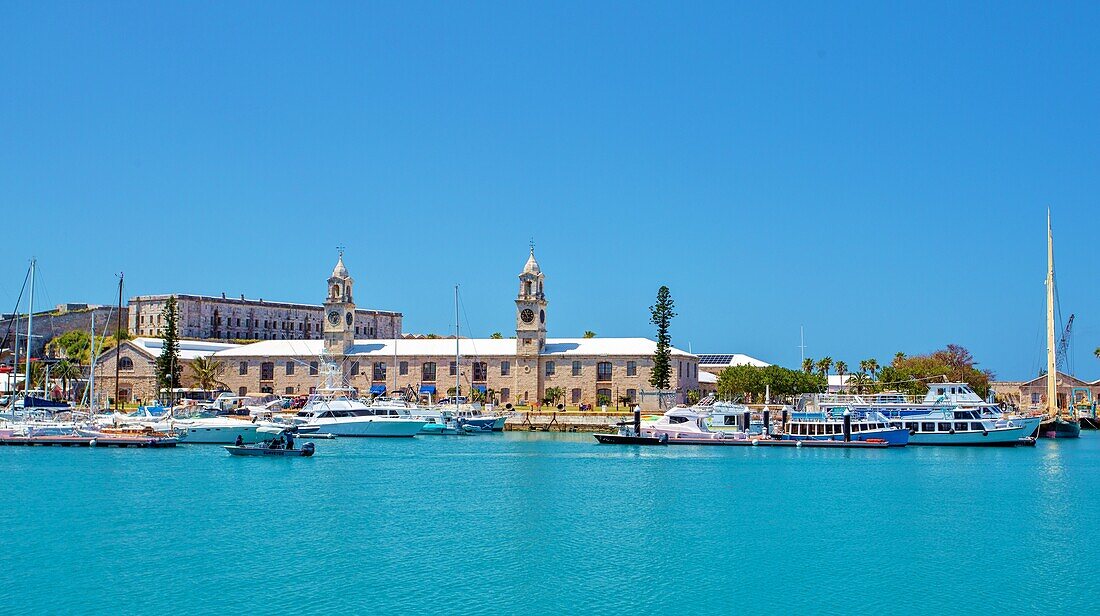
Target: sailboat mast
[
  {"x": 456, "y": 349},
  {"x": 118, "y": 335},
  {"x": 30, "y": 330},
  {"x": 1052, "y": 390}
]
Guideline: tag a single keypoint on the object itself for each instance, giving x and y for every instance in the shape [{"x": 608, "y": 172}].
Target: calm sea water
[{"x": 521, "y": 523}]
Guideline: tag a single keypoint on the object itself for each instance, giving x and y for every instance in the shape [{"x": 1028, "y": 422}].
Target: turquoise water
[{"x": 520, "y": 523}]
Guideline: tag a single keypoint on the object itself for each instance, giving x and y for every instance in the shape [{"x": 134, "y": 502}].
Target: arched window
[{"x": 125, "y": 363}]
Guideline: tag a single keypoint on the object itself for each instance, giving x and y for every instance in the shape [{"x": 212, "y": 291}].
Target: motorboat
[
  {"x": 277, "y": 442},
  {"x": 684, "y": 423},
  {"x": 210, "y": 428},
  {"x": 335, "y": 410}
]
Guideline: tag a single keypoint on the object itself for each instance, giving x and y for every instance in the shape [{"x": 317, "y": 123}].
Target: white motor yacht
[
  {"x": 684, "y": 423},
  {"x": 336, "y": 411}
]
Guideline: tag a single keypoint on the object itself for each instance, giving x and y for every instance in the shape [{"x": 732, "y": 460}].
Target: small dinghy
[
  {"x": 281, "y": 444},
  {"x": 261, "y": 449}
]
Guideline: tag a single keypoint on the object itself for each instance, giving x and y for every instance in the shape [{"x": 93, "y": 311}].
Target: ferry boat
[
  {"x": 949, "y": 414},
  {"x": 828, "y": 425}
]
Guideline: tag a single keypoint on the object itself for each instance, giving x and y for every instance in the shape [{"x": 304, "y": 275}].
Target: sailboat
[{"x": 1057, "y": 424}]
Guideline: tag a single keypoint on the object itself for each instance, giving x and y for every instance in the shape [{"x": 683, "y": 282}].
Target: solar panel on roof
[{"x": 715, "y": 359}]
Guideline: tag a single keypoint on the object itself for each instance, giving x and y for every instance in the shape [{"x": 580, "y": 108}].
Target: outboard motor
[{"x": 308, "y": 449}]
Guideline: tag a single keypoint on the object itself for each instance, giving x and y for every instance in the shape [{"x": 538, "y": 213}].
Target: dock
[{"x": 87, "y": 441}]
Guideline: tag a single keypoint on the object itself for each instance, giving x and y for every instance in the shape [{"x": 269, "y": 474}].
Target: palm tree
[
  {"x": 496, "y": 335},
  {"x": 205, "y": 371},
  {"x": 66, "y": 371},
  {"x": 860, "y": 381},
  {"x": 808, "y": 365},
  {"x": 553, "y": 394},
  {"x": 1097, "y": 352},
  {"x": 589, "y": 334},
  {"x": 898, "y": 357},
  {"x": 823, "y": 365},
  {"x": 872, "y": 367},
  {"x": 841, "y": 369}
]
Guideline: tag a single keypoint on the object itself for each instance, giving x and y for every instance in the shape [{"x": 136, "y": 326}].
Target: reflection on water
[{"x": 523, "y": 523}]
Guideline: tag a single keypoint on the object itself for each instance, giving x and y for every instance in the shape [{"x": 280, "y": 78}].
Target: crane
[{"x": 1062, "y": 352}]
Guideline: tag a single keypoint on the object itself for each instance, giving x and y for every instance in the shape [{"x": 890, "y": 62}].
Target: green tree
[
  {"x": 693, "y": 396},
  {"x": 589, "y": 334},
  {"x": 553, "y": 394},
  {"x": 872, "y": 366},
  {"x": 167, "y": 368},
  {"x": 67, "y": 372},
  {"x": 1097, "y": 352},
  {"x": 823, "y": 365},
  {"x": 661, "y": 315},
  {"x": 860, "y": 382},
  {"x": 496, "y": 336},
  {"x": 205, "y": 372},
  {"x": 841, "y": 369},
  {"x": 808, "y": 364}
]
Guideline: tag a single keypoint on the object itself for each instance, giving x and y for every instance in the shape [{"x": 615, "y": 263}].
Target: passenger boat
[{"x": 828, "y": 425}]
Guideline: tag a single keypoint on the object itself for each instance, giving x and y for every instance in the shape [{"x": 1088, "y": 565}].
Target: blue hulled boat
[{"x": 828, "y": 425}]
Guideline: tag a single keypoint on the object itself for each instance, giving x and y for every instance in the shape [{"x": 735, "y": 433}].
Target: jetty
[{"x": 89, "y": 441}]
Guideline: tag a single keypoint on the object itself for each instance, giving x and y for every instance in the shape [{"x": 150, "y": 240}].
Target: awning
[
  {"x": 480, "y": 388},
  {"x": 427, "y": 389},
  {"x": 377, "y": 389}
]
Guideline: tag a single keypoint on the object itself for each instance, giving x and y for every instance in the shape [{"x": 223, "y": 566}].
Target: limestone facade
[
  {"x": 219, "y": 318},
  {"x": 518, "y": 370}
]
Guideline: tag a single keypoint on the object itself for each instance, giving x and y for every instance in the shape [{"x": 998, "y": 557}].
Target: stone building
[
  {"x": 513, "y": 370},
  {"x": 1031, "y": 396},
  {"x": 203, "y": 317},
  {"x": 137, "y": 367}
]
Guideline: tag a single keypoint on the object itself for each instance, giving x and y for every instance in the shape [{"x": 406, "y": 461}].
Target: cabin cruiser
[
  {"x": 730, "y": 417},
  {"x": 684, "y": 423},
  {"x": 828, "y": 425},
  {"x": 335, "y": 410},
  {"x": 209, "y": 427},
  {"x": 249, "y": 405}
]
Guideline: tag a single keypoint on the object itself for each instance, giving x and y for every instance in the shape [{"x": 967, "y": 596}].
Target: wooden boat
[{"x": 264, "y": 449}]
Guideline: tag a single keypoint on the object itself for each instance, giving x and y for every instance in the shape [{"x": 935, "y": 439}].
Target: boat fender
[
  {"x": 92, "y": 443},
  {"x": 912, "y": 431},
  {"x": 663, "y": 438},
  {"x": 985, "y": 432},
  {"x": 951, "y": 431}
]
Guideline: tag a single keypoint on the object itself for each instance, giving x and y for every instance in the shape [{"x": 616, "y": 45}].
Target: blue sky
[{"x": 875, "y": 172}]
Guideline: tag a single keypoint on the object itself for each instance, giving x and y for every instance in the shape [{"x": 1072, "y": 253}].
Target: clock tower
[
  {"x": 530, "y": 310},
  {"x": 339, "y": 324}
]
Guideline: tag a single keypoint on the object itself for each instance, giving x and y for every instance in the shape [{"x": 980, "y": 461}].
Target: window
[
  {"x": 403, "y": 368},
  {"x": 927, "y": 426},
  {"x": 603, "y": 371},
  {"x": 960, "y": 425},
  {"x": 575, "y": 395},
  {"x": 354, "y": 368},
  {"x": 505, "y": 393},
  {"x": 632, "y": 368},
  {"x": 603, "y": 396},
  {"x": 576, "y": 368},
  {"x": 505, "y": 368},
  {"x": 242, "y": 391},
  {"x": 267, "y": 371},
  {"x": 680, "y": 369},
  {"x": 453, "y": 369},
  {"x": 380, "y": 371},
  {"x": 427, "y": 371},
  {"x": 977, "y": 426},
  {"x": 481, "y": 371},
  {"x": 1036, "y": 398},
  {"x": 549, "y": 368},
  {"x": 289, "y": 390},
  {"x": 313, "y": 368},
  {"x": 632, "y": 394},
  {"x": 242, "y": 368},
  {"x": 943, "y": 426},
  {"x": 290, "y": 368},
  {"x": 124, "y": 363}
]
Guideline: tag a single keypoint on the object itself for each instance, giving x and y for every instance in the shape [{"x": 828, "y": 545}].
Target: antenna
[{"x": 802, "y": 335}]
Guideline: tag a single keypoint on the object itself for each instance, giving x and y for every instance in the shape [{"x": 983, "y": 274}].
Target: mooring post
[
  {"x": 847, "y": 426},
  {"x": 637, "y": 420},
  {"x": 767, "y": 422},
  {"x": 746, "y": 420}
]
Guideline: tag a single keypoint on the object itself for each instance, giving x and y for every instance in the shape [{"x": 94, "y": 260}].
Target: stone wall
[
  {"x": 49, "y": 325},
  {"x": 293, "y": 376}
]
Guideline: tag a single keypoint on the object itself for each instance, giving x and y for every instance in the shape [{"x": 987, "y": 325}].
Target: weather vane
[{"x": 340, "y": 249}]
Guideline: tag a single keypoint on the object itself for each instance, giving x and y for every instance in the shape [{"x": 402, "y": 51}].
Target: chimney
[
  {"x": 223, "y": 294},
  {"x": 242, "y": 297}
]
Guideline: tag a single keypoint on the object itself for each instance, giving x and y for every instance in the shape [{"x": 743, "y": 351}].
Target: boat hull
[
  {"x": 1002, "y": 437},
  {"x": 221, "y": 435},
  {"x": 619, "y": 439},
  {"x": 1059, "y": 428},
  {"x": 895, "y": 437},
  {"x": 262, "y": 452},
  {"x": 371, "y": 427}
]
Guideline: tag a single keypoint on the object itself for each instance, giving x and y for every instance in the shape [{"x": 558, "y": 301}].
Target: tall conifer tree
[{"x": 661, "y": 315}]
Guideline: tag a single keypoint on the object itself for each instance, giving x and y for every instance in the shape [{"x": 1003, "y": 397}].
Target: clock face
[
  {"x": 527, "y": 315},
  {"x": 348, "y": 318},
  {"x": 334, "y": 317}
]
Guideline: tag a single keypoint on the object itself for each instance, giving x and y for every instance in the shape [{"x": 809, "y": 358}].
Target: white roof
[
  {"x": 468, "y": 347},
  {"x": 707, "y": 378},
  {"x": 189, "y": 349},
  {"x": 730, "y": 359}
]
